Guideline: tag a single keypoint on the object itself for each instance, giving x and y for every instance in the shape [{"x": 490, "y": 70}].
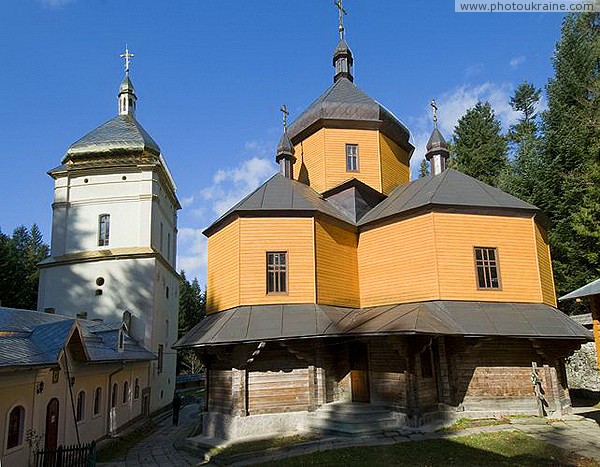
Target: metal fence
[{"x": 77, "y": 455}]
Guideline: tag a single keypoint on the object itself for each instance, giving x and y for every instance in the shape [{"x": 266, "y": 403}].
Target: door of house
[
  {"x": 146, "y": 402},
  {"x": 359, "y": 372},
  {"x": 51, "y": 438}
]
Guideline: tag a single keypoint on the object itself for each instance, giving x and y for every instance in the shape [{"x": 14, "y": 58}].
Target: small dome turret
[
  {"x": 127, "y": 97},
  {"x": 285, "y": 150},
  {"x": 437, "y": 147}
]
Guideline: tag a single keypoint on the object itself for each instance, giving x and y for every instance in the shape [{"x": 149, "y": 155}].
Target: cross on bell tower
[
  {"x": 127, "y": 97},
  {"x": 342, "y": 56}
]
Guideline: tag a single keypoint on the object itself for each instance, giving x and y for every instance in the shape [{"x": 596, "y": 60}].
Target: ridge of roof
[
  {"x": 450, "y": 188},
  {"x": 280, "y": 193}
]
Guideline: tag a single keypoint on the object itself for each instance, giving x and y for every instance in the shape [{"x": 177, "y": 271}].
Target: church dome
[
  {"x": 344, "y": 101},
  {"x": 121, "y": 134},
  {"x": 436, "y": 141}
]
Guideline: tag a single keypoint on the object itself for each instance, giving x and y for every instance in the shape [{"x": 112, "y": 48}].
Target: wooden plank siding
[
  {"x": 395, "y": 164},
  {"x": 337, "y": 265},
  {"x": 457, "y": 234},
  {"x": 368, "y": 157},
  {"x": 310, "y": 161},
  {"x": 396, "y": 263},
  {"x": 222, "y": 291},
  {"x": 292, "y": 235},
  {"x": 220, "y": 391},
  {"x": 545, "y": 265},
  {"x": 278, "y": 391},
  {"x": 387, "y": 372}
]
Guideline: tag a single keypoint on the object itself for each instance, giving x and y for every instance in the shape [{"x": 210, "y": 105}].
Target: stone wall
[{"x": 582, "y": 369}]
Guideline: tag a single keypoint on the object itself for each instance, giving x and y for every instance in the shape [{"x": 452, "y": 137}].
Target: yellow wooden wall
[
  {"x": 396, "y": 262},
  {"x": 455, "y": 237},
  {"x": 222, "y": 289},
  {"x": 545, "y": 265},
  {"x": 368, "y": 156},
  {"x": 294, "y": 235},
  {"x": 310, "y": 152},
  {"x": 394, "y": 164},
  {"x": 337, "y": 265}
]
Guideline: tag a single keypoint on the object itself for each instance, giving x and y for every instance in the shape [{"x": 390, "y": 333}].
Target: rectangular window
[
  {"x": 486, "y": 265},
  {"x": 351, "y": 157},
  {"x": 276, "y": 272},
  {"x": 103, "y": 229},
  {"x": 160, "y": 358}
]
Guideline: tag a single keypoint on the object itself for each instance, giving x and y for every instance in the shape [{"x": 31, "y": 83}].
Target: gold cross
[
  {"x": 341, "y": 13},
  {"x": 285, "y": 113},
  {"x": 435, "y": 109},
  {"x": 127, "y": 56}
]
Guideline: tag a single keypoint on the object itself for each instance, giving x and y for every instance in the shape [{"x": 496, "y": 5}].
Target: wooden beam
[{"x": 595, "y": 302}]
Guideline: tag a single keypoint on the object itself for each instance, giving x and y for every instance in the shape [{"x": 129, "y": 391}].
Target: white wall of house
[{"x": 33, "y": 389}]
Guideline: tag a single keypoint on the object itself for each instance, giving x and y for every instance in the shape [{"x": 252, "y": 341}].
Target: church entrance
[
  {"x": 359, "y": 372},
  {"x": 51, "y": 437}
]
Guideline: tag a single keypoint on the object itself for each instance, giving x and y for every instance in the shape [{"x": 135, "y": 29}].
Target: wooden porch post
[{"x": 239, "y": 392}]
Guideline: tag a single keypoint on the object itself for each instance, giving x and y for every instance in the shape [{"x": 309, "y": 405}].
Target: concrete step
[{"x": 352, "y": 419}]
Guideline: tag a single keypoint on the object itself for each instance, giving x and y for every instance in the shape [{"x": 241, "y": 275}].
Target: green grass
[
  {"x": 117, "y": 448},
  {"x": 504, "y": 448},
  {"x": 464, "y": 423},
  {"x": 263, "y": 445}
]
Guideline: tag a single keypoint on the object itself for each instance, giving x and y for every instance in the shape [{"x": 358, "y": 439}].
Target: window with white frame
[
  {"x": 103, "y": 229},
  {"x": 351, "y": 157}
]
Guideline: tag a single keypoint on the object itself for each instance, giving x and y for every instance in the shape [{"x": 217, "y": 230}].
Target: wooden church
[{"x": 343, "y": 296}]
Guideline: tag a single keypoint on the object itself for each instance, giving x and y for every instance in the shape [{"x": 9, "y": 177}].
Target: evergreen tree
[
  {"x": 192, "y": 308},
  {"x": 479, "y": 149},
  {"x": 522, "y": 179},
  {"x": 571, "y": 156},
  {"x": 19, "y": 271},
  {"x": 424, "y": 168}
]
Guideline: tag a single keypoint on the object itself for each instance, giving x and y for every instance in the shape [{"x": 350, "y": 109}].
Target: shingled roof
[
  {"x": 457, "y": 318},
  {"x": 281, "y": 194},
  {"x": 450, "y": 188},
  {"x": 345, "y": 101},
  {"x": 30, "y": 338},
  {"x": 120, "y": 134}
]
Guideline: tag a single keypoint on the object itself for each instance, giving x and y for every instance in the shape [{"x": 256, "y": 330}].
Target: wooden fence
[{"x": 78, "y": 455}]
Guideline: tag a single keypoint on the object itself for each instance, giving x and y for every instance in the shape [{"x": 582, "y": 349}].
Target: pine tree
[
  {"x": 522, "y": 179},
  {"x": 424, "y": 169},
  {"x": 479, "y": 149},
  {"x": 571, "y": 160},
  {"x": 192, "y": 308}
]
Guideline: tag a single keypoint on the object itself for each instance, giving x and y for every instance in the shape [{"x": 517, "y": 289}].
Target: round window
[{"x": 100, "y": 281}]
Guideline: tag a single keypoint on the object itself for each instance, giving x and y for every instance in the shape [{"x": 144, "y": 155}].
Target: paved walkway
[
  {"x": 163, "y": 447},
  {"x": 578, "y": 433}
]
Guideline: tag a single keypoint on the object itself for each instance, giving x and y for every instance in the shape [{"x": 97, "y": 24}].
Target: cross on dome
[{"x": 127, "y": 56}]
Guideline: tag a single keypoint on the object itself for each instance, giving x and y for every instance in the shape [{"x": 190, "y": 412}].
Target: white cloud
[
  {"x": 185, "y": 202},
  {"x": 453, "y": 105},
  {"x": 55, "y": 3},
  {"x": 232, "y": 184},
  {"x": 517, "y": 61}
]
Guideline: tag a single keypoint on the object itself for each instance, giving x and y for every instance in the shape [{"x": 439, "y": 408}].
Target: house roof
[
  {"x": 450, "y": 188},
  {"x": 459, "y": 318},
  {"x": 122, "y": 133},
  {"x": 30, "y": 338},
  {"x": 593, "y": 288},
  {"x": 282, "y": 194},
  {"x": 345, "y": 101}
]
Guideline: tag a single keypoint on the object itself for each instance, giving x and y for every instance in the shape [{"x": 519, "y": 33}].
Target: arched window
[
  {"x": 80, "y": 407},
  {"x": 113, "y": 396},
  {"x": 16, "y": 423},
  {"x": 97, "y": 400},
  {"x": 103, "y": 229},
  {"x": 136, "y": 389},
  {"x": 125, "y": 392}
]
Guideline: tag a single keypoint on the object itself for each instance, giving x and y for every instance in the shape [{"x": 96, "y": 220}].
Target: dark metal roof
[
  {"x": 459, "y": 318},
  {"x": 120, "y": 134},
  {"x": 30, "y": 338},
  {"x": 450, "y": 188},
  {"x": 345, "y": 101},
  {"x": 593, "y": 288},
  {"x": 282, "y": 194},
  {"x": 285, "y": 147},
  {"x": 436, "y": 140}
]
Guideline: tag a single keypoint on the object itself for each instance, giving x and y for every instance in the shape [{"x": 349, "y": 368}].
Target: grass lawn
[{"x": 486, "y": 449}]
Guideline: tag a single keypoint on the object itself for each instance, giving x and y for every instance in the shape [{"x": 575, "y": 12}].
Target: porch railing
[{"x": 77, "y": 455}]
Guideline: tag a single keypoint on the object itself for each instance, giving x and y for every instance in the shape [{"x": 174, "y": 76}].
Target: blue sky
[{"x": 211, "y": 75}]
